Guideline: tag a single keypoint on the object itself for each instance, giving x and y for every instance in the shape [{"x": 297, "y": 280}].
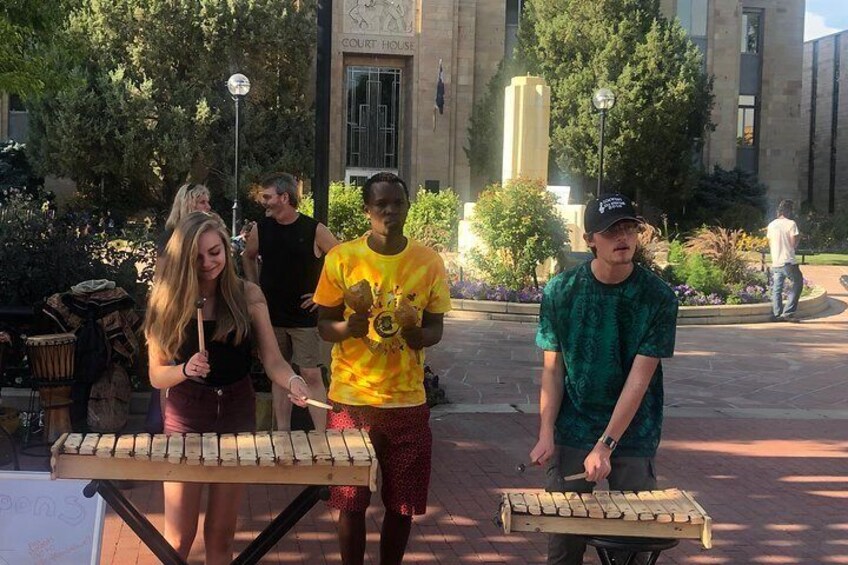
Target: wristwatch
[{"x": 608, "y": 441}]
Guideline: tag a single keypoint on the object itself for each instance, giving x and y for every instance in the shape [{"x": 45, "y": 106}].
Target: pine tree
[{"x": 663, "y": 97}]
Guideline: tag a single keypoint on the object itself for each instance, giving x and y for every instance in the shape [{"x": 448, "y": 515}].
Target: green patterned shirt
[{"x": 599, "y": 329}]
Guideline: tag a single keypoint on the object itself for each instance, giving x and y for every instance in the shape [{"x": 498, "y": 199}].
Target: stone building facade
[
  {"x": 824, "y": 109},
  {"x": 386, "y": 64},
  {"x": 754, "y": 50}
]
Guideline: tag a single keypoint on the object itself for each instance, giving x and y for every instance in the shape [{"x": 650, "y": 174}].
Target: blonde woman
[
  {"x": 189, "y": 198},
  {"x": 209, "y": 391}
]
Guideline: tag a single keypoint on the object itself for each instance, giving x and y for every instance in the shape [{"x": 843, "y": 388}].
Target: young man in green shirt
[{"x": 603, "y": 326}]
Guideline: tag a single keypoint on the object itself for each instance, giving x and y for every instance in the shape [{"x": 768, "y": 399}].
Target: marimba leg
[
  {"x": 284, "y": 521},
  {"x": 149, "y": 535}
]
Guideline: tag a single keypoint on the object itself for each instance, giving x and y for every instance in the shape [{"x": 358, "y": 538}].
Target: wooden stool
[{"x": 630, "y": 546}]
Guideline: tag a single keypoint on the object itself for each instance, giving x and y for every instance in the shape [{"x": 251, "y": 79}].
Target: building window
[
  {"x": 373, "y": 115},
  {"x": 746, "y": 129},
  {"x": 18, "y": 119},
  {"x": 752, "y": 32},
  {"x": 692, "y": 15},
  {"x": 513, "y": 18}
]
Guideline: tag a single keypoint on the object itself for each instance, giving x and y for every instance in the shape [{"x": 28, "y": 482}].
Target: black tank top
[
  {"x": 229, "y": 363},
  {"x": 289, "y": 270}
]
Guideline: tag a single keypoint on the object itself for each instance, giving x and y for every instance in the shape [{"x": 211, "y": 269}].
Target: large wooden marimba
[
  {"x": 318, "y": 460},
  {"x": 671, "y": 513},
  {"x": 335, "y": 457}
]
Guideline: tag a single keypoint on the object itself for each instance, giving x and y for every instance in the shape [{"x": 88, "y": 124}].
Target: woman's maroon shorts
[
  {"x": 403, "y": 444},
  {"x": 192, "y": 407}
]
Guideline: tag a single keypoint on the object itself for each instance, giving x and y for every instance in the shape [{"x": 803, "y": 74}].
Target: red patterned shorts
[{"x": 403, "y": 443}]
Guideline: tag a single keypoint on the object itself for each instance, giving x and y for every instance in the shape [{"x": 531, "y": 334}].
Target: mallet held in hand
[
  {"x": 201, "y": 340},
  {"x": 521, "y": 467}
]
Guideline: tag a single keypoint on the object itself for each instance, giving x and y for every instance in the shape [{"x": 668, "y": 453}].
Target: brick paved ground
[
  {"x": 756, "y": 429},
  {"x": 777, "y": 491}
]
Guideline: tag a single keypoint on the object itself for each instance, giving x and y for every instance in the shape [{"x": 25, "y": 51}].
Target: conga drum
[{"x": 51, "y": 360}]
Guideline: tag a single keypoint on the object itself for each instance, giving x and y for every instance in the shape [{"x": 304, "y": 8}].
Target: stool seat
[
  {"x": 628, "y": 548},
  {"x": 631, "y": 544}
]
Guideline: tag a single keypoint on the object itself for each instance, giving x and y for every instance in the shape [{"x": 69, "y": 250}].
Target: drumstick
[{"x": 200, "y": 338}]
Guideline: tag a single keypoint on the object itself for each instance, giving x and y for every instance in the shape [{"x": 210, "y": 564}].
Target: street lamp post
[
  {"x": 239, "y": 86},
  {"x": 603, "y": 100}
]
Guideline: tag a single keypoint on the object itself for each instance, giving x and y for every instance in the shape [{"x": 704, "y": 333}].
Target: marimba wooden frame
[
  {"x": 556, "y": 524},
  {"x": 95, "y": 468},
  {"x": 103, "y": 471}
]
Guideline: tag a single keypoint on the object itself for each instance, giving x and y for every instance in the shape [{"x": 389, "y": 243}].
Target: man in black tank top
[{"x": 284, "y": 255}]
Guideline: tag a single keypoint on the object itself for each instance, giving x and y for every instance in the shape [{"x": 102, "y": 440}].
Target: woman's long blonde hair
[
  {"x": 184, "y": 203},
  {"x": 172, "y": 303}
]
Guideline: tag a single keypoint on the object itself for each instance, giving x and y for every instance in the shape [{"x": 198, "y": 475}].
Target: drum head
[{"x": 50, "y": 339}]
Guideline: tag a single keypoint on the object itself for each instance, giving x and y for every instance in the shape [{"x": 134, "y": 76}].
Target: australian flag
[{"x": 440, "y": 89}]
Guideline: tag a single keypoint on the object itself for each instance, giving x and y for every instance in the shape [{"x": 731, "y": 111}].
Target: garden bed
[{"x": 814, "y": 303}]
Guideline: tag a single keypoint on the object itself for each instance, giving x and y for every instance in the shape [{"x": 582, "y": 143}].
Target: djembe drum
[{"x": 51, "y": 360}]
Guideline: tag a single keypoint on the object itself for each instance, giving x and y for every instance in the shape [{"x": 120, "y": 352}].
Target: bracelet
[
  {"x": 185, "y": 365},
  {"x": 296, "y": 376}
]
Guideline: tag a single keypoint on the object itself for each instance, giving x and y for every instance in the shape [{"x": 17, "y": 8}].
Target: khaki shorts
[{"x": 301, "y": 346}]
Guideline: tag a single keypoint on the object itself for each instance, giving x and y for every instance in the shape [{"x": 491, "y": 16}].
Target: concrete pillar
[{"x": 527, "y": 117}]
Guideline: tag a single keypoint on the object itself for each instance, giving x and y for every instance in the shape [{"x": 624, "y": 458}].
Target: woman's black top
[{"x": 229, "y": 363}]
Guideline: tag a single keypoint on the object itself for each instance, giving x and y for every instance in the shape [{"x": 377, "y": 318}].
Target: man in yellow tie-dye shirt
[{"x": 378, "y": 366}]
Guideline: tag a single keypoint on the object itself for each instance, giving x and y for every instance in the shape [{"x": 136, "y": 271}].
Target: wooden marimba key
[
  {"x": 670, "y": 513},
  {"x": 334, "y": 457}
]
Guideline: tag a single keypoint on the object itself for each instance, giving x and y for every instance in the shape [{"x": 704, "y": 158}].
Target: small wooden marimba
[
  {"x": 334, "y": 457},
  {"x": 317, "y": 460},
  {"x": 671, "y": 513}
]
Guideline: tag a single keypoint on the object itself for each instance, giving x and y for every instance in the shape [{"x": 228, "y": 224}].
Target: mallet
[
  {"x": 521, "y": 467},
  {"x": 201, "y": 340}
]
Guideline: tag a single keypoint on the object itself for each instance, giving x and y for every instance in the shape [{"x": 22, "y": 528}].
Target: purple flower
[{"x": 477, "y": 290}]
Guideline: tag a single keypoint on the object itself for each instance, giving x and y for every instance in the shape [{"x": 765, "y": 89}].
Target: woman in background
[{"x": 189, "y": 198}]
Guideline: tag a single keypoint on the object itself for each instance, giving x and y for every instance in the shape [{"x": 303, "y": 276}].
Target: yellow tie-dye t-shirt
[{"x": 380, "y": 369}]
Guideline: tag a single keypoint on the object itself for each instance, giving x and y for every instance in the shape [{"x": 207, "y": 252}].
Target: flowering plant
[{"x": 477, "y": 290}]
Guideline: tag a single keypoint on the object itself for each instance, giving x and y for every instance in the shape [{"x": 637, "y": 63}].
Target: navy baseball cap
[{"x": 601, "y": 213}]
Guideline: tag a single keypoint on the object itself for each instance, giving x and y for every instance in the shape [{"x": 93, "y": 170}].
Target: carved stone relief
[{"x": 379, "y": 17}]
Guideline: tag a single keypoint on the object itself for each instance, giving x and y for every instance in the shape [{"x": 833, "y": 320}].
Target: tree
[
  {"x": 663, "y": 96},
  {"x": 146, "y": 108},
  {"x": 27, "y": 29},
  {"x": 486, "y": 126}
]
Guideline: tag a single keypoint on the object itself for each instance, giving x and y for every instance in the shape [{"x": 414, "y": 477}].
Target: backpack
[{"x": 93, "y": 353}]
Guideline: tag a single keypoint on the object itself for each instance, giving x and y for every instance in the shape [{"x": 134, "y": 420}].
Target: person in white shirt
[{"x": 783, "y": 239}]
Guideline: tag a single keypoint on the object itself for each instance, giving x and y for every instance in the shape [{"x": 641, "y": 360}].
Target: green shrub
[
  {"x": 721, "y": 247},
  {"x": 824, "y": 232},
  {"x": 731, "y": 198},
  {"x": 434, "y": 219},
  {"x": 347, "y": 220},
  {"x": 701, "y": 274},
  {"x": 15, "y": 169},
  {"x": 519, "y": 227},
  {"x": 41, "y": 256},
  {"x": 676, "y": 253}
]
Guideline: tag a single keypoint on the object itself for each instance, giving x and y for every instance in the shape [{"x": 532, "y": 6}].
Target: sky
[{"x": 825, "y": 17}]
